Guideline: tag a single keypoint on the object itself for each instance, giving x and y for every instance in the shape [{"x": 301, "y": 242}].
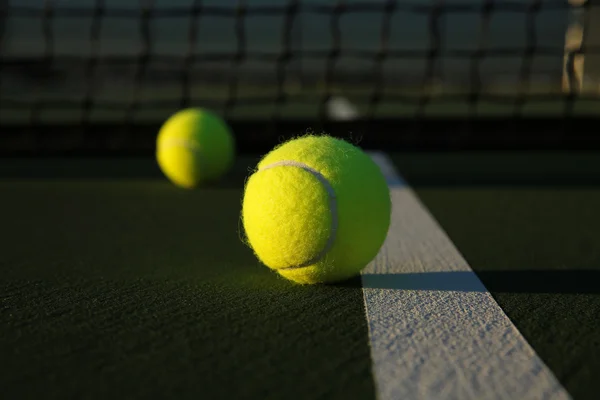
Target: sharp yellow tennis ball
[
  {"x": 316, "y": 210},
  {"x": 194, "y": 147}
]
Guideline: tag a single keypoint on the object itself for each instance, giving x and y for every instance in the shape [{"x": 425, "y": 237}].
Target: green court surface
[{"x": 114, "y": 283}]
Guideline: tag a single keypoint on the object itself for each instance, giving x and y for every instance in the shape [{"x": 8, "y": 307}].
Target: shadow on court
[
  {"x": 116, "y": 169},
  {"x": 575, "y": 282},
  {"x": 419, "y": 170},
  {"x": 469, "y": 169}
]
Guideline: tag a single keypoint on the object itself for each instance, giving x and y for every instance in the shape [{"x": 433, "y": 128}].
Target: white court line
[{"x": 435, "y": 331}]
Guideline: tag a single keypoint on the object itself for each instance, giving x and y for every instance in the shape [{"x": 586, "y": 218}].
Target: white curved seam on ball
[
  {"x": 188, "y": 144},
  {"x": 332, "y": 208}
]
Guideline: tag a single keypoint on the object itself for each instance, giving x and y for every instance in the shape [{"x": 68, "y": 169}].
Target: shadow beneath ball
[
  {"x": 354, "y": 282},
  {"x": 494, "y": 281}
]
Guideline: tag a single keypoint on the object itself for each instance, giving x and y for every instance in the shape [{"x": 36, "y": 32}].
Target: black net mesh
[{"x": 85, "y": 64}]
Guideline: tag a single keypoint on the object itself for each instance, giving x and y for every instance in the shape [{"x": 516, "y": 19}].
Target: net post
[{"x": 574, "y": 58}]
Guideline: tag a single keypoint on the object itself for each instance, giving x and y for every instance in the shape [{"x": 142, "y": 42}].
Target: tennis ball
[
  {"x": 193, "y": 147},
  {"x": 316, "y": 210}
]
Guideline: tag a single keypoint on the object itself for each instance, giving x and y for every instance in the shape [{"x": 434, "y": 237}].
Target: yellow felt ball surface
[
  {"x": 193, "y": 147},
  {"x": 317, "y": 209}
]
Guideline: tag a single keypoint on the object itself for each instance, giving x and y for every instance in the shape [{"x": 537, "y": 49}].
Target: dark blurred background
[{"x": 101, "y": 66}]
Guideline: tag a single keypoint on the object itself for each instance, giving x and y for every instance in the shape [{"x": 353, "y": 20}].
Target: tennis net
[{"x": 91, "y": 64}]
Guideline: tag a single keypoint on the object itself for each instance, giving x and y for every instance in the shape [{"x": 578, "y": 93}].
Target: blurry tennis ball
[
  {"x": 316, "y": 210},
  {"x": 194, "y": 147}
]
